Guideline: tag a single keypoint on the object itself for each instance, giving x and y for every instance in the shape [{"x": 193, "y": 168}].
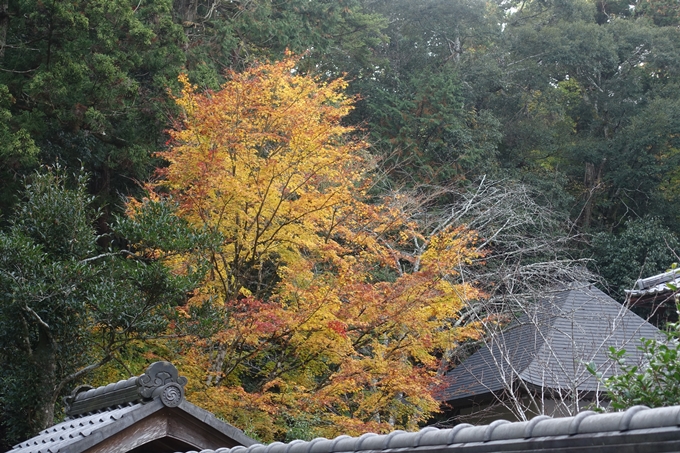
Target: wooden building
[{"x": 146, "y": 414}]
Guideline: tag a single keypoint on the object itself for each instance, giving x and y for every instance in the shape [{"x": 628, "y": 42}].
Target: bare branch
[{"x": 37, "y": 317}]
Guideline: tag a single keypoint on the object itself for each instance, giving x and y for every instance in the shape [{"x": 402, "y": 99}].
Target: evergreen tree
[{"x": 67, "y": 306}]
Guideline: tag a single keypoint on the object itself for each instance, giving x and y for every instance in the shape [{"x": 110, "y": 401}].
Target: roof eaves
[
  {"x": 221, "y": 426},
  {"x": 500, "y": 435},
  {"x": 76, "y": 435}
]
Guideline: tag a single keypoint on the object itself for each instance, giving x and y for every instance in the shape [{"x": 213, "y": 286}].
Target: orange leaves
[
  {"x": 265, "y": 161},
  {"x": 320, "y": 317}
]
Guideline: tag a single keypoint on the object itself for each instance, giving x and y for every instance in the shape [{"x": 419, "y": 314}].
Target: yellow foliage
[{"x": 319, "y": 321}]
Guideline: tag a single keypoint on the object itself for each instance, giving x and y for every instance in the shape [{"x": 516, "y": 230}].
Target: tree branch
[{"x": 83, "y": 371}]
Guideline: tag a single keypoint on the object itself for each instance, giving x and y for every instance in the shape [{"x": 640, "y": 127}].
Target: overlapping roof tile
[
  {"x": 59, "y": 437},
  {"x": 550, "y": 345},
  {"x": 588, "y": 429}
]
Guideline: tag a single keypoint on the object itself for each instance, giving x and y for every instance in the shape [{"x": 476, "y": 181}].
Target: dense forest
[{"x": 310, "y": 206}]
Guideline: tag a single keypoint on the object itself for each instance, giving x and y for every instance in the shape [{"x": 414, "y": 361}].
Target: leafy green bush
[{"x": 68, "y": 305}]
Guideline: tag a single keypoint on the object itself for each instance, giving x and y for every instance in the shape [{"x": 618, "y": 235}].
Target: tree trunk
[
  {"x": 187, "y": 10},
  {"x": 215, "y": 377},
  {"x": 588, "y": 181},
  {"x": 4, "y": 25},
  {"x": 591, "y": 180},
  {"x": 45, "y": 363}
]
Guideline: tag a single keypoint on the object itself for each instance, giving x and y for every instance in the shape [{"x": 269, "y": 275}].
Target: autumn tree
[{"x": 325, "y": 319}]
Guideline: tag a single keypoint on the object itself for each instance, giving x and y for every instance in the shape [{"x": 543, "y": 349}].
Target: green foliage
[
  {"x": 663, "y": 13},
  {"x": 88, "y": 82},
  {"x": 17, "y": 149},
  {"x": 426, "y": 132},
  {"x": 642, "y": 249},
  {"x": 66, "y": 305},
  {"x": 655, "y": 383},
  {"x": 588, "y": 90},
  {"x": 16, "y": 146},
  {"x": 423, "y": 125},
  {"x": 337, "y": 35}
]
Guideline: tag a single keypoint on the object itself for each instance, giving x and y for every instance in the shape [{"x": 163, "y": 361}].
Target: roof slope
[
  {"x": 550, "y": 344},
  {"x": 63, "y": 435},
  {"x": 148, "y": 410},
  {"x": 638, "y": 430}
]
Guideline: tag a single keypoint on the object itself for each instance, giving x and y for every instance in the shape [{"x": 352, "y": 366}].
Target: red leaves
[{"x": 338, "y": 327}]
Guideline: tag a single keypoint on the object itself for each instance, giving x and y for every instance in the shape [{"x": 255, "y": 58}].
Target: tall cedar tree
[
  {"x": 83, "y": 83},
  {"x": 324, "y": 320}
]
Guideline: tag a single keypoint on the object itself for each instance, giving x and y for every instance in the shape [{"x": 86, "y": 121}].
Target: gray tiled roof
[
  {"x": 98, "y": 414},
  {"x": 655, "y": 285},
  {"x": 64, "y": 435},
  {"x": 638, "y": 429},
  {"x": 81, "y": 433},
  {"x": 550, "y": 345}
]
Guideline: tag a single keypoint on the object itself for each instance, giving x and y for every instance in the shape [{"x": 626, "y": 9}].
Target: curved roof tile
[{"x": 542, "y": 428}]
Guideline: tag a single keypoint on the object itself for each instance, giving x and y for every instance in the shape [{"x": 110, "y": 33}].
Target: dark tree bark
[
  {"x": 4, "y": 25},
  {"x": 187, "y": 10}
]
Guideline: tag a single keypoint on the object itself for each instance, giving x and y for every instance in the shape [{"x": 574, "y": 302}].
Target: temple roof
[
  {"x": 147, "y": 411},
  {"x": 550, "y": 344},
  {"x": 639, "y": 430},
  {"x": 655, "y": 286}
]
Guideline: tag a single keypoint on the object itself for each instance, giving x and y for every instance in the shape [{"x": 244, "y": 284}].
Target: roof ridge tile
[
  {"x": 490, "y": 428},
  {"x": 390, "y": 436},
  {"x": 157, "y": 380},
  {"x": 291, "y": 444},
  {"x": 628, "y": 416},
  {"x": 577, "y": 420},
  {"x": 532, "y": 424},
  {"x": 438, "y": 437},
  {"x": 542, "y": 426},
  {"x": 272, "y": 445},
  {"x": 338, "y": 439},
  {"x": 421, "y": 433},
  {"x": 362, "y": 439},
  {"x": 455, "y": 430}
]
